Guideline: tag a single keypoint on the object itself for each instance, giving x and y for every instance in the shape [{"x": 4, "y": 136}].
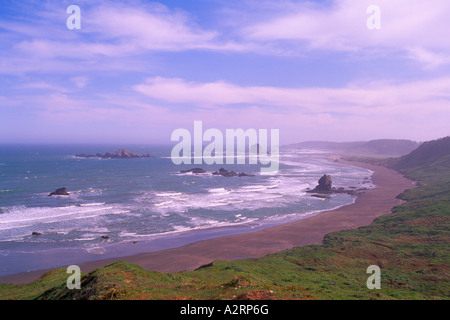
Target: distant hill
[
  {"x": 430, "y": 157},
  {"x": 373, "y": 148},
  {"x": 427, "y": 153},
  {"x": 387, "y": 147}
]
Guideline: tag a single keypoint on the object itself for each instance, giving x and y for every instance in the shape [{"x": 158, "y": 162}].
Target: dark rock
[
  {"x": 324, "y": 185},
  {"x": 35, "y": 233},
  {"x": 119, "y": 154},
  {"x": 243, "y": 174},
  {"x": 105, "y": 237},
  {"x": 195, "y": 170},
  {"x": 322, "y": 196},
  {"x": 226, "y": 173},
  {"x": 59, "y": 192}
]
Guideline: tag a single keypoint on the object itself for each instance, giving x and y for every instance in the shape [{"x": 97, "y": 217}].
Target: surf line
[{"x": 214, "y": 152}]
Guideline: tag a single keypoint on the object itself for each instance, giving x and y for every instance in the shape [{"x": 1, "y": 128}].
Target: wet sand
[{"x": 367, "y": 207}]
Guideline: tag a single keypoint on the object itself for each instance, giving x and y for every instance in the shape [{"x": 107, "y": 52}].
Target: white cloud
[
  {"x": 429, "y": 59},
  {"x": 147, "y": 28},
  {"x": 357, "y": 111},
  {"x": 80, "y": 82},
  {"x": 113, "y": 36},
  {"x": 418, "y": 110},
  {"x": 357, "y": 98},
  {"x": 406, "y": 24}
]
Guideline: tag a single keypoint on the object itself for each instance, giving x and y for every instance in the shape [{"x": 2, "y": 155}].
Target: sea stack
[
  {"x": 324, "y": 185},
  {"x": 59, "y": 192}
]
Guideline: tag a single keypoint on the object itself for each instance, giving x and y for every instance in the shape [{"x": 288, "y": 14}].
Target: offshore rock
[
  {"x": 195, "y": 171},
  {"x": 119, "y": 154},
  {"x": 59, "y": 192},
  {"x": 226, "y": 173},
  {"x": 324, "y": 185},
  {"x": 324, "y": 188}
]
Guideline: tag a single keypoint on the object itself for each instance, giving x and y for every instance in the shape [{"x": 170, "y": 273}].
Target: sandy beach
[{"x": 366, "y": 208}]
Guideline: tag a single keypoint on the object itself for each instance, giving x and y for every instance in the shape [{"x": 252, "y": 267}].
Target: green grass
[{"x": 411, "y": 246}]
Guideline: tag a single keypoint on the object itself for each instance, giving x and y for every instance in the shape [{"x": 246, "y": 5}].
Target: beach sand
[{"x": 367, "y": 207}]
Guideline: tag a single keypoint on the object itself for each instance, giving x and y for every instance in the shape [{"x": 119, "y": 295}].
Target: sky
[{"x": 137, "y": 70}]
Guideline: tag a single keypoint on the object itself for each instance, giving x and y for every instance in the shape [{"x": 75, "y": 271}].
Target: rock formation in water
[
  {"x": 221, "y": 172},
  {"x": 226, "y": 173},
  {"x": 324, "y": 188},
  {"x": 324, "y": 185},
  {"x": 119, "y": 154},
  {"x": 59, "y": 192},
  {"x": 195, "y": 171}
]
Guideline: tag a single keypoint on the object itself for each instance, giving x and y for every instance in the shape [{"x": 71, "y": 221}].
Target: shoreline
[{"x": 256, "y": 244}]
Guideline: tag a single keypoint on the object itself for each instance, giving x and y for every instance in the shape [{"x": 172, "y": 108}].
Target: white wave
[
  {"x": 15, "y": 227},
  {"x": 84, "y": 239},
  {"x": 252, "y": 189},
  {"x": 168, "y": 194},
  {"x": 163, "y": 203},
  {"x": 91, "y": 204},
  {"x": 189, "y": 173},
  {"x": 120, "y": 212},
  {"x": 22, "y": 217},
  {"x": 127, "y": 234},
  {"x": 34, "y": 218},
  {"x": 218, "y": 190},
  {"x": 216, "y": 204}
]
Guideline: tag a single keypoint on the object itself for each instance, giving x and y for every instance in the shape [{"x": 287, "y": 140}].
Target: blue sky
[{"x": 138, "y": 70}]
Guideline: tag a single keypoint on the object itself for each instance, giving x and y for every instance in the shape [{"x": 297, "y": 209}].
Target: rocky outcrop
[
  {"x": 119, "y": 154},
  {"x": 195, "y": 171},
  {"x": 221, "y": 172},
  {"x": 243, "y": 174},
  {"x": 324, "y": 185},
  {"x": 324, "y": 188},
  {"x": 226, "y": 173},
  {"x": 59, "y": 192}
]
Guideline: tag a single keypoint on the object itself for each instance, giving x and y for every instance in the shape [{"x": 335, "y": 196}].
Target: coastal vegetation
[{"x": 410, "y": 245}]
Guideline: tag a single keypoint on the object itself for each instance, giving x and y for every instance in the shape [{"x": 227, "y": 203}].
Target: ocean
[{"x": 119, "y": 207}]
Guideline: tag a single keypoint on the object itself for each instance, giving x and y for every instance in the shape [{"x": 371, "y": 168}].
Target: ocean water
[{"x": 122, "y": 207}]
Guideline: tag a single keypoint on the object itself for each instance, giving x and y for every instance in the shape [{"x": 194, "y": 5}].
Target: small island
[
  {"x": 324, "y": 188},
  {"x": 119, "y": 154},
  {"x": 59, "y": 192},
  {"x": 221, "y": 172},
  {"x": 226, "y": 173},
  {"x": 195, "y": 171}
]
